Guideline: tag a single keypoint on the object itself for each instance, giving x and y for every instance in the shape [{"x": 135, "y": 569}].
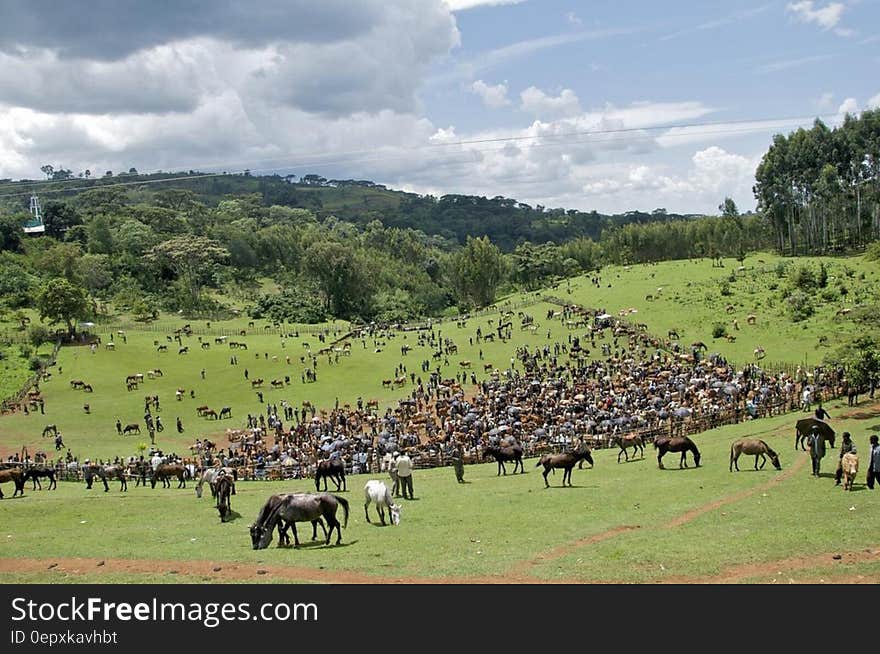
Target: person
[
  {"x": 179, "y": 426},
  {"x": 118, "y": 427},
  {"x": 404, "y": 473},
  {"x": 873, "y": 461},
  {"x": 159, "y": 425},
  {"x": 821, "y": 413},
  {"x": 457, "y": 463},
  {"x": 817, "y": 448},
  {"x": 846, "y": 446},
  {"x": 392, "y": 470}
]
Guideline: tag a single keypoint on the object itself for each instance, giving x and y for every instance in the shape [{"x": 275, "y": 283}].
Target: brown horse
[
  {"x": 298, "y": 507},
  {"x": 166, "y": 470},
  {"x": 502, "y": 454},
  {"x": 804, "y": 427},
  {"x": 334, "y": 470},
  {"x": 753, "y": 446},
  {"x": 105, "y": 472},
  {"x": 634, "y": 441},
  {"x": 681, "y": 444},
  {"x": 565, "y": 461},
  {"x": 16, "y": 476}
]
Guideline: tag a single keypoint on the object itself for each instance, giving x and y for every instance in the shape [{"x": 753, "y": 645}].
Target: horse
[
  {"x": 565, "y": 461},
  {"x": 334, "y": 470},
  {"x": 50, "y": 428},
  {"x": 283, "y": 539},
  {"x": 802, "y": 431},
  {"x": 16, "y": 476},
  {"x": 105, "y": 472},
  {"x": 502, "y": 454},
  {"x": 753, "y": 446},
  {"x": 212, "y": 475},
  {"x": 210, "y": 413},
  {"x": 225, "y": 487},
  {"x": 681, "y": 444},
  {"x": 634, "y": 441},
  {"x": 298, "y": 507},
  {"x": 35, "y": 473},
  {"x": 132, "y": 427},
  {"x": 166, "y": 470},
  {"x": 849, "y": 463},
  {"x": 377, "y": 492},
  {"x": 226, "y": 411}
]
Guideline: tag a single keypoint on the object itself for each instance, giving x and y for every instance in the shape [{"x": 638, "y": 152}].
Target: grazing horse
[
  {"x": 210, "y": 413},
  {"x": 283, "y": 539},
  {"x": 132, "y": 427},
  {"x": 166, "y": 470},
  {"x": 92, "y": 470},
  {"x": 681, "y": 444},
  {"x": 35, "y": 473},
  {"x": 226, "y": 411},
  {"x": 502, "y": 454},
  {"x": 849, "y": 463},
  {"x": 377, "y": 492},
  {"x": 634, "y": 441},
  {"x": 50, "y": 428},
  {"x": 225, "y": 487},
  {"x": 211, "y": 476},
  {"x": 565, "y": 461},
  {"x": 753, "y": 446},
  {"x": 334, "y": 470},
  {"x": 16, "y": 476},
  {"x": 298, "y": 507}
]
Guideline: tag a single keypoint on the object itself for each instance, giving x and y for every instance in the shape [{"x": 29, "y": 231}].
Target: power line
[{"x": 344, "y": 157}]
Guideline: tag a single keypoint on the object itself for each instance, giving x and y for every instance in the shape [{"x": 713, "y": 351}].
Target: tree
[
  {"x": 60, "y": 301},
  {"x": 477, "y": 270},
  {"x": 192, "y": 258},
  {"x": 342, "y": 274},
  {"x": 58, "y": 217},
  {"x": 48, "y": 169}
]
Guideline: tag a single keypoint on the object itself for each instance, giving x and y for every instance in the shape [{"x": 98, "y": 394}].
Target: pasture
[
  {"x": 627, "y": 522},
  {"x": 617, "y": 523}
]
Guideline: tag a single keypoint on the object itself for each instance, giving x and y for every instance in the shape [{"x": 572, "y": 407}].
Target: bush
[
  {"x": 873, "y": 251},
  {"x": 799, "y": 306},
  {"x": 292, "y": 304},
  {"x": 719, "y": 330},
  {"x": 38, "y": 334},
  {"x": 830, "y": 294},
  {"x": 804, "y": 279},
  {"x": 725, "y": 289}
]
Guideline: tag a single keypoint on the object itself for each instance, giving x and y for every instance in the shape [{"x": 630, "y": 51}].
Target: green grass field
[
  {"x": 628, "y": 522},
  {"x": 620, "y": 523}
]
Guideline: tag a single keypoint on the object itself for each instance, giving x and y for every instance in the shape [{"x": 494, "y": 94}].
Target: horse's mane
[{"x": 269, "y": 511}]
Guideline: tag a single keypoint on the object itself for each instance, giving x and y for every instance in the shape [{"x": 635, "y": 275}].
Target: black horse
[
  {"x": 36, "y": 472},
  {"x": 105, "y": 472},
  {"x": 502, "y": 454},
  {"x": 681, "y": 444},
  {"x": 225, "y": 489},
  {"x": 334, "y": 470}
]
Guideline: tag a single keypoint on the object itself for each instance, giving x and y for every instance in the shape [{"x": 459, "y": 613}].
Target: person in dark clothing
[
  {"x": 817, "y": 448},
  {"x": 821, "y": 413},
  {"x": 873, "y": 461},
  {"x": 179, "y": 426}
]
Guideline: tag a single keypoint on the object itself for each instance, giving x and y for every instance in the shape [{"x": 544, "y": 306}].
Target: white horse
[
  {"x": 210, "y": 476},
  {"x": 377, "y": 492}
]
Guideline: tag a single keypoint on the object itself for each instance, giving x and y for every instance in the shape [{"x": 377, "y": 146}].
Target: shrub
[
  {"x": 725, "y": 289},
  {"x": 38, "y": 334},
  {"x": 719, "y": 330},
  {"x": 804, "y": 279},
  {"x": 799, "y": 306}
]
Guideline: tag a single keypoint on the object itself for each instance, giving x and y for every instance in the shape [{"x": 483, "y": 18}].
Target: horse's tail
[{"x": 344, "y": 503}]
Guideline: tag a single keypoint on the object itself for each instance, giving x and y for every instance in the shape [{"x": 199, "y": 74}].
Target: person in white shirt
[{"x": 404, "y": 474}]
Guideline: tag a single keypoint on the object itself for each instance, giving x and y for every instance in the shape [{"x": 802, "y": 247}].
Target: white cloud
[
  {"x": 785, "y": 64},
  {"x": 848, "y": 106},
  {"x": 573, "y": 19},
  {"x": 825, "y": 17},
  {"x": 461, "y": 5},
  {"x": 874, "y": 102},
  {"x": 492, "y": 96},
  {"x": 535, "y": 101},
  {"x": 825, "y": 101}
]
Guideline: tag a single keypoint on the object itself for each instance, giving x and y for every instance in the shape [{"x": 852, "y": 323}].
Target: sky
[{"x": 607, "y": 106}]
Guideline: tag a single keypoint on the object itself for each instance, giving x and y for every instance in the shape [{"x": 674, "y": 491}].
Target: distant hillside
[{"x": 505, "y": 221}]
